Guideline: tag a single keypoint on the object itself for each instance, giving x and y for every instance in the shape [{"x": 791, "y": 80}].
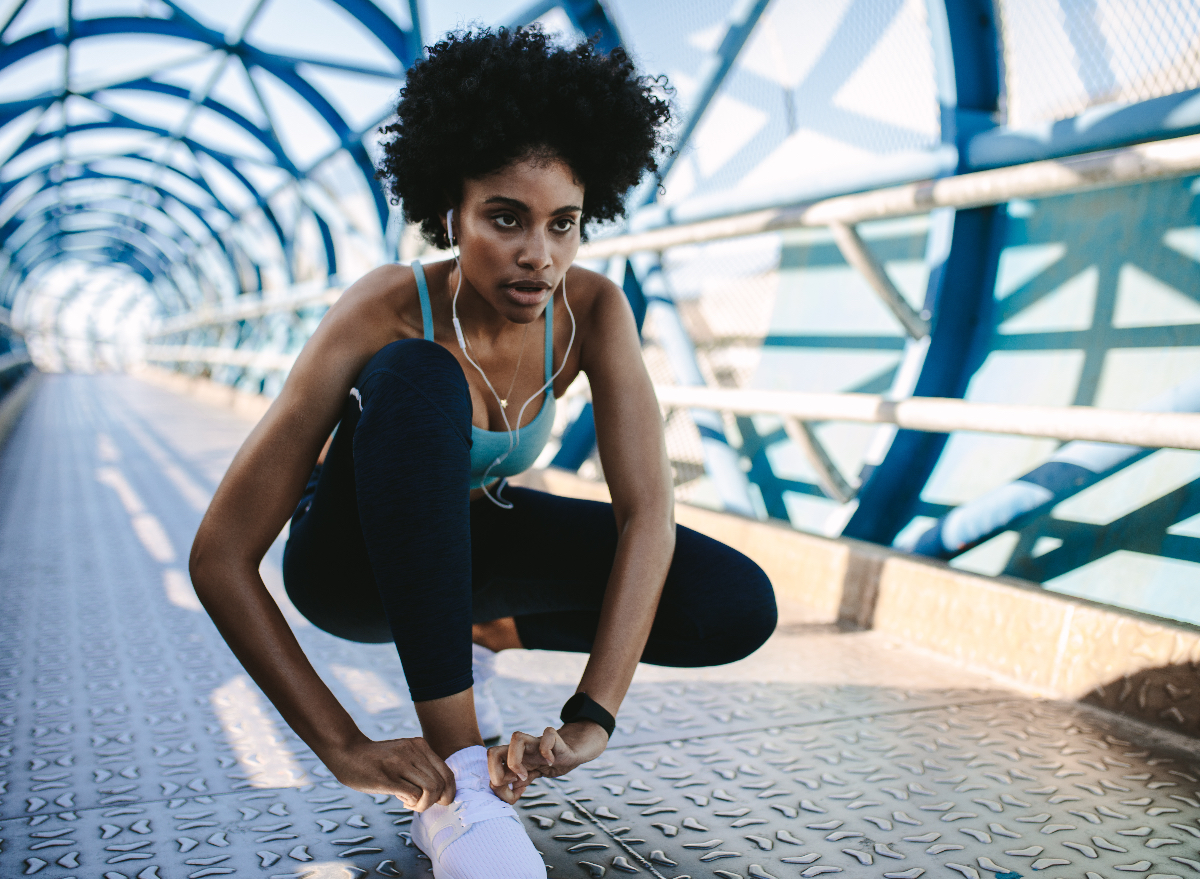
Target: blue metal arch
[
  {"x": 224, "y": 159},
  {"x": 150, "y": 245},
  {"x": 58, "y": 226},
  {"x": 404, "y": 45},
  {"x": 24, "y": 215},
  {"x": 53, "y": 232},
  {"x": 55, "y": 223},
  {"x": 959, "y": 293}
]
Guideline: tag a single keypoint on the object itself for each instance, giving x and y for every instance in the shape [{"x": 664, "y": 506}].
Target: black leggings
[{"x": 387, "y": 546}]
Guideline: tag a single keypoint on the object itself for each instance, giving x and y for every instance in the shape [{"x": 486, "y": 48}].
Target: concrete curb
[{"x": 1058, "y": 646}]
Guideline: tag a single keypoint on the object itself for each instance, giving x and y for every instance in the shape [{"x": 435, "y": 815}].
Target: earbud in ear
[{"x": 450, "y": 225}]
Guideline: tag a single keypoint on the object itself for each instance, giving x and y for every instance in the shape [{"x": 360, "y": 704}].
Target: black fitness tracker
[{"x": 581, "y": 706}]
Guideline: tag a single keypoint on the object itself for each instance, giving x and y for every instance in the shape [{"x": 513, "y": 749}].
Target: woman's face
[{"x": 517, "y": 231}]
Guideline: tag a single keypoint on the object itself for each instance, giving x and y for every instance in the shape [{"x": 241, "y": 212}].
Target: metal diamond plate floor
[{"x": 133, "y": 745}]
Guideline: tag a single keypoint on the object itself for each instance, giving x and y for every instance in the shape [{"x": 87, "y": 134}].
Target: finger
[
  {"x": 450, "y": 787},
  {"x": 431, "y": 773},
  {"x": 430, "y": 784},
  {"x": 546, "y": 744},
  {"x": 497, "y": 766},
  {"x": 505, "y": 793},
  {"x": 518, "y": 787},
  {"x": 407, "y": 793},
  {"x": 516, "y": 754}
]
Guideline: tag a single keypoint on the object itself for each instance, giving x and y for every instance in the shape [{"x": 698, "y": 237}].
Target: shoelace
[{"x": 470, "y": 806}]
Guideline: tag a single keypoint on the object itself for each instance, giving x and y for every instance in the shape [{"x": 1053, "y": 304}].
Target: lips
[{"x": 526, "y": 292}]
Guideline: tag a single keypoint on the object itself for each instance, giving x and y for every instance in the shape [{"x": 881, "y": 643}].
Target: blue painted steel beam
[
  {"x": 30, "y": 213},
  {"x": 405, "y": 45},
  {"x": 1105, "y": 126},
  {"x": 227, "y": 161},
  {"x": 183, "y": 26},
  {"x": 589, "y": 17},
  {"x": 580, "y": 437},
  {"x": 99, "y": 241},
  {"x": 57, "y": 227},
  {"x": 740, "y": 24},
  {"x": 88, "y": 172},
  {"x": 960, "y": 290}
]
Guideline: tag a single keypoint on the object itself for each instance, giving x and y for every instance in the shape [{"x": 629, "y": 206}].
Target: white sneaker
[
  {"x": 478, "y": 836},
  {"x": 487, "y": 711}
]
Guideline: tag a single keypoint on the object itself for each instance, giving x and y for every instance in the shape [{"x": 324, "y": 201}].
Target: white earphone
[{"x": 462, "y": 343}]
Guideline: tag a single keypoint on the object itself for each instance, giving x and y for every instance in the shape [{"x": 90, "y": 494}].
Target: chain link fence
[{"x": 1064, "y": 56}]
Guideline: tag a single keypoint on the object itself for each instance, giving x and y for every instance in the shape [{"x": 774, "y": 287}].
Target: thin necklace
[{"x": 516, "y": 369}]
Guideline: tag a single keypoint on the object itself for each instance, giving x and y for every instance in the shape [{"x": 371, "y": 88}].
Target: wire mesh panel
[
  {"x": 818, "y": 87},
  {"x": 1063, "y": 56},
  {"x": 1095, "y": 305}
]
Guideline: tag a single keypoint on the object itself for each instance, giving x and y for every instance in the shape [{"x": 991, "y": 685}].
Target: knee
[
  {"x": 755, "y": 615},
  {"x": 417, "y": 370},
  {"x": 415, "y": 359},
  {"x": 721, "y": 598}
]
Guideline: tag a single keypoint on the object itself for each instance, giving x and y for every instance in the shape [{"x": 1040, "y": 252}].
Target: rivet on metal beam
[{"x": 856, "y": 253}]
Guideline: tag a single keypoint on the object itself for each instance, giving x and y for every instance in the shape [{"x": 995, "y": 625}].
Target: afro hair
[{"x": 482, "y": 99}]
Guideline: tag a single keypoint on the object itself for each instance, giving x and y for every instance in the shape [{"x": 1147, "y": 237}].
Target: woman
[{"x": 504, "y": 146}]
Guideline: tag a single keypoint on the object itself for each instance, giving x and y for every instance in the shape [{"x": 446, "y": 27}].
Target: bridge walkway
[{"x": 133, "y": 745}]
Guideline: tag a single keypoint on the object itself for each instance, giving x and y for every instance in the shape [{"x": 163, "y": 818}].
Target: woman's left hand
[{"x": 513, "y": 766}]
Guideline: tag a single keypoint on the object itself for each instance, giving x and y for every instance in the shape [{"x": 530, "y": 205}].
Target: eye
[
  {"x": 563, "y": 224},
  {"x": 505, "y": 221}
]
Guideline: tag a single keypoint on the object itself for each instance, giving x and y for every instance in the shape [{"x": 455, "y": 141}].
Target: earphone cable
[{"x": 462, "y": 343}]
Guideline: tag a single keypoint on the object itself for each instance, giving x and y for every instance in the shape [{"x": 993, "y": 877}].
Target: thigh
[
  {"x": 546, "y": 554},
  {"x": 547, "y": 562},
  {"x": 326, "y": 570}
]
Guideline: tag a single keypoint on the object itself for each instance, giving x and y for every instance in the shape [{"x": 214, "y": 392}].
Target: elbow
[
  {"x": 654, "y": 525},
  {"x": 199, "y": 562},
  {"x": 205, "y": 562}
]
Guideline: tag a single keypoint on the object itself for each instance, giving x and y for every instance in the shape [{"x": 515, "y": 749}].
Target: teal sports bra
[{"x": 488, "y": 445}]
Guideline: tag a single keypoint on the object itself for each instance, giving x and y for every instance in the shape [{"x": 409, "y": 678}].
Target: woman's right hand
[{"x": 407, "y": 768}]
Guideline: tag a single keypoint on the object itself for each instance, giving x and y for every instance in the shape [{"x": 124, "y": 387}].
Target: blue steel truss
[{"x": 136, "y": 198}]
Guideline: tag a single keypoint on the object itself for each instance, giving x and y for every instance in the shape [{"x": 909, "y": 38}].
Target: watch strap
[{"x": 581, "y": 706}]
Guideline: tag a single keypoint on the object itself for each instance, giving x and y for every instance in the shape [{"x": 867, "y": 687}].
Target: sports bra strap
[
  {"x": 550, "y": 341},
  {"x": 423, "y": 293}
]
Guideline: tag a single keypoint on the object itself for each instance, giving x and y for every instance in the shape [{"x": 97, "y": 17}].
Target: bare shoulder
[
  {"x": 390, "y": 287},
  {"x": 593, "y": 295}
]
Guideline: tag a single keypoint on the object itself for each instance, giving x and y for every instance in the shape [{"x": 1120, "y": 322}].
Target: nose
[{"x": 535, "y": 252}]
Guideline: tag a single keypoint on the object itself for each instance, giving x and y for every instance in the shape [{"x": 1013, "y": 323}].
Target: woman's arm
[
  {"x": 251, "y": 505},
  {"x": 634, "y": 456}
]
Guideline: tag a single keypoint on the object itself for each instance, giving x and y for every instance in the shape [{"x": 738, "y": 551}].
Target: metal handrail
[
  {"x": 211, "y": 354},
  {"x": 1134, "y": 164},
  {"x": 300, "y": 296},
  {"x": 1097, "y": 170},
  {"x": 1167, "y": 430}
]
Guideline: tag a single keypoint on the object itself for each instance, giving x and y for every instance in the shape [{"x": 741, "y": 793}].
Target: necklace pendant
[{"x": 504, "y": 404}]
